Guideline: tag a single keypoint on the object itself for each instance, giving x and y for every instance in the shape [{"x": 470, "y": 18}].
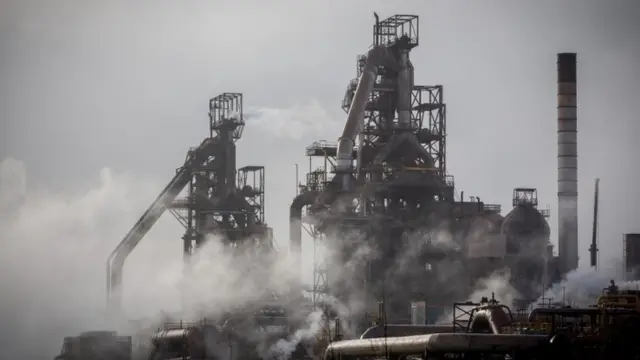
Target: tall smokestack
[{"x": 567, "y": 162}]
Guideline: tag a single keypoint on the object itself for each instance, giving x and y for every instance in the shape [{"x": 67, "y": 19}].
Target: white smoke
[
  {"x": 294, "y": 122},
  {"x": 582, "y": 286},
  {"x": 54, "y": 250},
  {"x": 283, "y": 348},
  {"x": 53, "y": 260},
  {"x": 496, "y": 286}
]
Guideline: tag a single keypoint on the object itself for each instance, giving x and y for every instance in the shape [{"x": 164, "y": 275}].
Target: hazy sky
[{"x": 123, "y": 85}]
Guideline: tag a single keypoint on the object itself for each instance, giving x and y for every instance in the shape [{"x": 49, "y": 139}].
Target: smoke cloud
[
  {"x": 283, "y": 348},
  {"x": 296, "y": 122},
  {"x": 582, "y": 286},
  {"x": 54, "y": 251}
]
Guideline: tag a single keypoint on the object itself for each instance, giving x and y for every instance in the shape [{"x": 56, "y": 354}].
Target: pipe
[
  {"x": 115, "y": 262},
  {"x": 567, "y": 163},
  {"x": 376, "y": 39},
  {"x": 378, "y": 56},
  {"x": 434, "y": 343},
  {"x": 405, "y": 87},
  {"x": 295, "y": 227}
]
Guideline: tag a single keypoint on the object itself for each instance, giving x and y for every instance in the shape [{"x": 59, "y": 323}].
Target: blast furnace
[{"x": 384, "y": 204}]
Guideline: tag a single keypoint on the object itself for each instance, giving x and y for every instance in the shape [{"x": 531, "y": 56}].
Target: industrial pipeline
[
  {"x": 436, "y": 344},
  {"x": 178, "y": 343}
]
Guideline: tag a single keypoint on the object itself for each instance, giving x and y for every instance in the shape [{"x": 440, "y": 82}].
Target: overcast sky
[{"x": 124, "y": 85}]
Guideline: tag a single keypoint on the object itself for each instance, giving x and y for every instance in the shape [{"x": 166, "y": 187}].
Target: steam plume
[
  {"x": 54, "y": 249},
  {"x": 53, "y": 254}
]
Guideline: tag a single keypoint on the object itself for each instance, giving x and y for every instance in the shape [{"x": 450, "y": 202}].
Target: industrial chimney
[{"x": 567, "y": 163}]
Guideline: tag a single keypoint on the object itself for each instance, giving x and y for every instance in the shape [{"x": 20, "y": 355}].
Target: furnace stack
[{"x": 567, "y": 163}]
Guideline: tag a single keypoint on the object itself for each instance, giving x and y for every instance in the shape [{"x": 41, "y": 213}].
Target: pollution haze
[{"x": 100, "y": 101}]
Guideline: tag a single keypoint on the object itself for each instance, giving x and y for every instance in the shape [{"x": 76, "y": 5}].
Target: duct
[
  {"x": 405, "y": 87},
  {"x": 378, "y": 56},
  {"x": 435, "y": 343},
  {"x": 115, "y": 262},
  {"x": 295, "y": 227},
  {"x": 567, "y": 163}
]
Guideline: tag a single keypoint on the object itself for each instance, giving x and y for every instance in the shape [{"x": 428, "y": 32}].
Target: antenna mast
[{"x": 593, "y": 249}]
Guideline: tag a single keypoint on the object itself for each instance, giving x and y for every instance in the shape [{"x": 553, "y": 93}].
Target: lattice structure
[
  {"x": 316, "y": 180},
  {"x": 322, "y": 152},
  {"x": 525, "y": 197},
  {"x": 462, "y": 314},
  {"x": 429, "y": 117},
  {"x": 396, "y": 190},
  {"x": 391, "y": 29},
  {"x": 225, "y": 114},
  {"x": 251, "y": 186},
  {"x": 222, "y": 200},
  {"x": 401, "y": 166}
]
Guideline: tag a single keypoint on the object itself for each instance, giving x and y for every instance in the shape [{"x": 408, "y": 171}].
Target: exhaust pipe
[
  {"x": 295, "y": 225},
  {"x": 567, "y": 162}
]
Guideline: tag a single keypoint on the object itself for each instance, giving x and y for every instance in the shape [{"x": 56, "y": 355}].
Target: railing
[
  {"x": 527, "y": 328},
  {"x": 492, "y": 208},
  {"x": 545, "y": 212},
  {"x": 320, "y": 145}
]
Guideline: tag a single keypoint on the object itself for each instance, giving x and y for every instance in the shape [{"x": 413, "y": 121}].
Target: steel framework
[
  {"x": 222, "y": 200},
  {"x": 399, "y": 164},
  {"x": 316, "y": 180},
  {"x": 385, "y": 184}
]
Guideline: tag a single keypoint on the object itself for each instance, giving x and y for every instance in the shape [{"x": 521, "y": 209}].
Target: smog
[{"x": 396, "y": 241}]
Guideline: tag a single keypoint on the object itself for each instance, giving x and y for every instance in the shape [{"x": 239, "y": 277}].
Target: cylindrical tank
[{"x": 526, "y": 233}]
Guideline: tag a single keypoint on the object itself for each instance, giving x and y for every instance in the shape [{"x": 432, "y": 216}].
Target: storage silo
[{"x": 526, "y": 233}]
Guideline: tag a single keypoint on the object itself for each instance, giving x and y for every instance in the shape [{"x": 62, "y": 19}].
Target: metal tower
[{"x": 222, "y": 200}]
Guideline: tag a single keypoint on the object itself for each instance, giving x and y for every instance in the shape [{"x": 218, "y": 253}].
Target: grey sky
[{"x": 124, "y": 85}]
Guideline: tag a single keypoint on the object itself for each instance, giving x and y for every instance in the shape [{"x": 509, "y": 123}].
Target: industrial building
[
  {"x": 384, "y": 185},
  {"x": 221, "y": 199},
  {"x": 222, "y": 203},
  {"x": 401, "y": 237}
]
